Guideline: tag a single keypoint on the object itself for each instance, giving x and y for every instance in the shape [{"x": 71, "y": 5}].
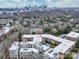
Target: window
[
  {"x": 25, "y": 58},
  {"x": 50, "y": 51},
  {"x": 21, "y": 57},
  {"x": 14, "y": 57},
  {"x": 31, "y": 46}
]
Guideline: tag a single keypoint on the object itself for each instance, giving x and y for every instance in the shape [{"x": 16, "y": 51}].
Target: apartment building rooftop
[
  {"x": 4, "y": 30},
  {"x": 51, "y": 53},
  {"x": 63, "y": 47},
  {"x": 29, "y": 50},
  {"x": 16, "y": 44},
  {"x": 73, "y": 34},
  {"x": 44, "y": 47},
  {"x": 14, "y": 48},
  {"x": 37, "y": 39}
]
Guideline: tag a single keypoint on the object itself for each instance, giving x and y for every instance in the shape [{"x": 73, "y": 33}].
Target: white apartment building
[
  {"x": 4, "y": 30},
  {"x": 41, "y": 47},
  {"x": 35, "y": 38},
  {"x": 51, "y": 54},
  {"x": 14, "y": 51},
  {"x": 27, "y": 44},
  {"x": 33, "y": 49},
  {"x": 73, "y": 36},
  {"x": 16, "y": 44},
  {"x": 29, "y": 53}
]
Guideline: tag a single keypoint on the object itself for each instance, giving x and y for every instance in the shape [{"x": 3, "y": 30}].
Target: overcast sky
[{"x": 50, "y": 3}]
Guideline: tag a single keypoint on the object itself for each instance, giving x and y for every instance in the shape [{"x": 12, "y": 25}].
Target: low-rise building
[
  {"x": 29, "y": 53},
  {"x": 41, "y": 47},
  {"x": 73, "y": 36},
  {"x": 27, "y": 44},
  {"x": 5, "y": 31},
  {"x": 35, "y": 39},
  {"x": 35, "y": 49},
  {"x": 50, "y": 54},
  {"x": 14, "y": 51}
]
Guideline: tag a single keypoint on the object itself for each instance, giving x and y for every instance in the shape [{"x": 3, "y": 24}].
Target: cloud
[
  {"x": 50, "y": 3},
  {"x": 63, "y": 3},
  {"x": 12, "y": 3}
]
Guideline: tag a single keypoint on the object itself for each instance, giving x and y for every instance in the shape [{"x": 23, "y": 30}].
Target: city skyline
[{"x": 50, "y": 3}]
